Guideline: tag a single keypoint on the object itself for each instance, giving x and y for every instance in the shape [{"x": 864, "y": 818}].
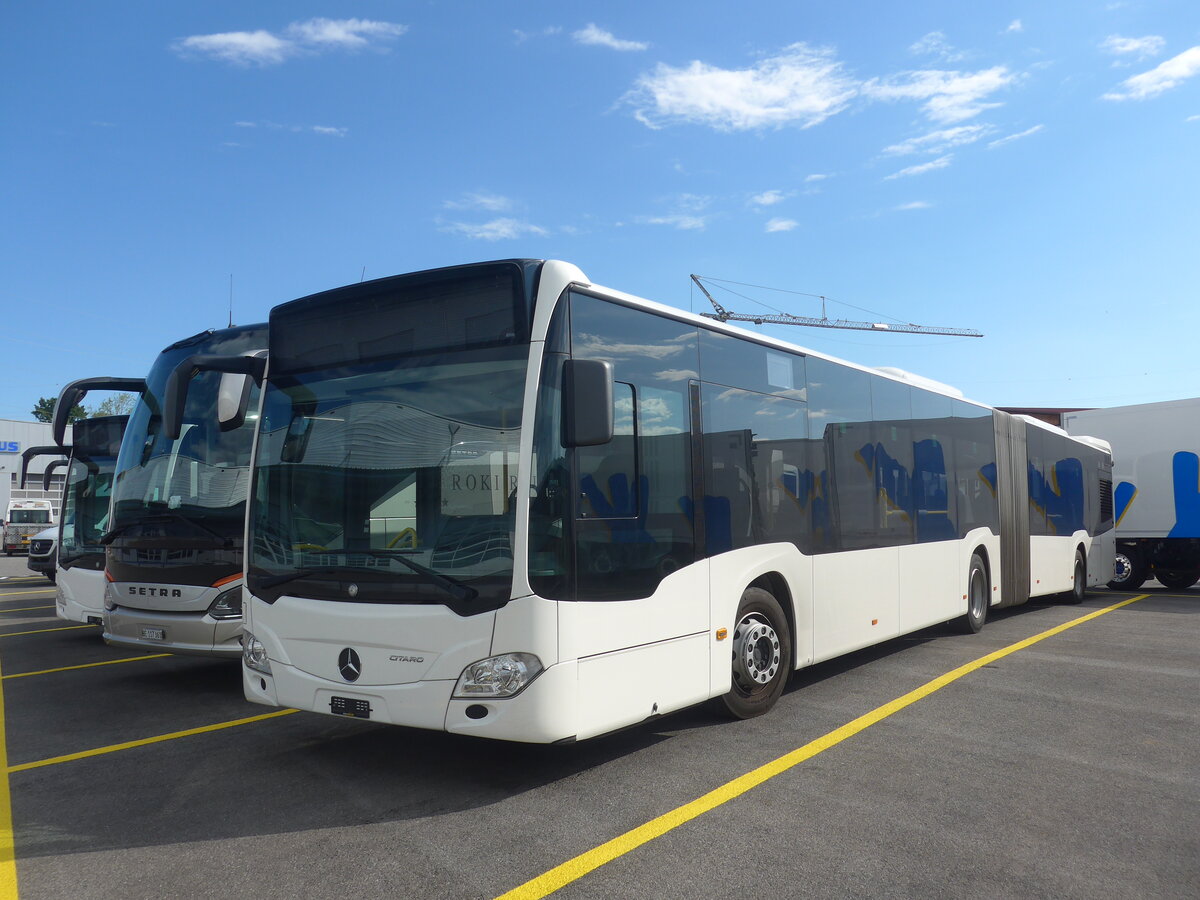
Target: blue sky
[{"x": 1025, "y": 169}]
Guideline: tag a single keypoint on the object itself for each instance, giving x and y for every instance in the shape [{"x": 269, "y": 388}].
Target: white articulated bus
[
  {"x": 499, "y": 500},
  {"x": 174, "y": 539}
]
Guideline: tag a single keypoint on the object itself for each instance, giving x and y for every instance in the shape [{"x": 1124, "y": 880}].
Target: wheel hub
[{"x": 756, "y": 656}]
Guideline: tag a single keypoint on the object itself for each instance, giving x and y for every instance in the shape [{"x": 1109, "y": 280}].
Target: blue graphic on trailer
[
  {"x": 1185, "y": 481},
  {"x": 1123, "y": 496},
  {"x": 1185, "y": 472}
]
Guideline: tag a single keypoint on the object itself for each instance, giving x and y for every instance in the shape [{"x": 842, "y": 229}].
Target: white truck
[
  {"x": 23, "y": 520},
  {"x": 1156, "y": 488}
]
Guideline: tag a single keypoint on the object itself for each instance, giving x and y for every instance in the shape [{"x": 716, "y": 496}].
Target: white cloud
[
  {"x": 948, "y": 96},
  {"x": 264, "y": 48},
  {"x": 769, "y": 198},
  {"x": 931, "y": 166},
  {"x": 1167, "y": 75},
  {"x": 548, "y": 31},
  {"x": 598, "y": 37},
  {"x": 239, "y": 47},
  {"x": 501, "y": 229},
  {"x": 916, "y": 204},
  {"x": 329, "y": 130},
  {"x": 939, "y": 141},
  {"x": 1014, "y": 27},
  {"x": 481, "y": 200},
  {"x": 1192, "y": 119},
  {"x": 246, "y": 124},
  {"x": 780, "y": 225},
  {"x": 802, "y": 85},
  {"x": 347, "y": 33},
  {"x": 809, "y": 179},
  {"x": 1143, "y": 47},
  {"x": 935, "y": 44},
  {"x": 1000, "y": 142}
]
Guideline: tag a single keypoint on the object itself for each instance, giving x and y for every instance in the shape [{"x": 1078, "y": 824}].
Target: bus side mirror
[
  {"x": 587, "y": 402},
  {"x": 175, "y": 398},
  {"x": 233, "y": 397}
]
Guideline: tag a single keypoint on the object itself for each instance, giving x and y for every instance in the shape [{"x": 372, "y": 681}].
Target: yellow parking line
[
  {"x": 107, "y": 662},
  {"x": 574, "y": 869},
  {"x": 15, "y": 594},
  {"x": 8, "y": 858},
  {"x": 26, "y": 608},
  {"x": 4, "y": 634},
  {"x": 143, "y": 742}
]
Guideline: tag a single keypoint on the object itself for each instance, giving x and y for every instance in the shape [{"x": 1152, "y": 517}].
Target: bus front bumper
[
  {"x": 429, "y": 704},
  {"x": 193, "y": 634}
]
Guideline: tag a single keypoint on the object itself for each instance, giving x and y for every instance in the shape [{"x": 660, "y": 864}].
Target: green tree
[
  {"x": 43, "y": 411},
  {"x": 116, "y": 405}
]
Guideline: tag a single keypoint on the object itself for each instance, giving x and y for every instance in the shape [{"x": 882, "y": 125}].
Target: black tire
[
  {"x": 1079, "y": 581},
  {"x": 762, "y": 655},
  {"x": 979, "y": 597},
  {"x": 1177, "y": 579},
  {"x": 1130, "y": 572}
]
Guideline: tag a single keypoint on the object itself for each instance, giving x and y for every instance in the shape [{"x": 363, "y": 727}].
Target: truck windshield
[
  {"x": 390, "y": 481},
  {"x": 29, "y": 517},
  {"x": 180, "y": 504}
]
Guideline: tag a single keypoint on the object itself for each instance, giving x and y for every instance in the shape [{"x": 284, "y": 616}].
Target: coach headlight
[
  {"x": 498, "y": 676},
  {"x": 254, "y": 654},
  {"x": 228, "y": 604}
]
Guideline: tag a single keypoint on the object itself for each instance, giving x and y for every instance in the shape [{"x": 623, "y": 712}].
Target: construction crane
[{"x": 721, "y": 314}]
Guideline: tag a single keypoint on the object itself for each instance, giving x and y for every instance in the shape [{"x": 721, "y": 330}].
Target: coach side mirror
[
  {"x": 175, "y": 399},
  {"x": 233, "y": 396},
  {"x": 587, "y": 402}
]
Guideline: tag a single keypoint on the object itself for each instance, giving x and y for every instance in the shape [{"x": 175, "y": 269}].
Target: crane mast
[{"x": 721, "y": 314}]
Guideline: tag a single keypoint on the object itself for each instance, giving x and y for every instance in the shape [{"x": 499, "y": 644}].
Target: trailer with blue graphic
[{"x": 1156, "y": 488}]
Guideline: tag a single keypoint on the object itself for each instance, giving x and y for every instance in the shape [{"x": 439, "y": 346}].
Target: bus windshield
[
  {"x": 85, "y": 510},
  {"x": 186, "y": 494},
  {"x": 390, "y": 481}
]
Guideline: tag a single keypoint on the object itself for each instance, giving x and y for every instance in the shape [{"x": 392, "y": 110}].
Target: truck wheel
[
  {"x": 762, "y": 655},
  {"x": 979, "y": 595},
  {"x": 1177, "y": 579},
  {"x": 1129, "y": 571}
]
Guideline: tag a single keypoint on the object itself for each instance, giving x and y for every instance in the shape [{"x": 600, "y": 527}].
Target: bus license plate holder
[
  {"x": 153, "y": 633},
  {"x": 351, "y": 707}
]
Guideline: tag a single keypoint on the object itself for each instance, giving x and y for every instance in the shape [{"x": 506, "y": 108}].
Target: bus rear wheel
[
  {"x": 762, "y": 655},
  {"x": 978, "y": 597},
  {"x": 1079, "y": 582}
]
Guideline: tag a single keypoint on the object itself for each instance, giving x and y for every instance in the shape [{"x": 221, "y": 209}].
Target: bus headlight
[
  {"x": 254, "y": 654},
  {"x": 228, "y": 604},
  {"x": 498, "y": 676}
]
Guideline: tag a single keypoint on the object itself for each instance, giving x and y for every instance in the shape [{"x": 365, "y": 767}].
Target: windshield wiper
[
  {"x": 457, "y": 589},
  {"x": 271, "y": 581},
  {"x": 159, "y": 518}
]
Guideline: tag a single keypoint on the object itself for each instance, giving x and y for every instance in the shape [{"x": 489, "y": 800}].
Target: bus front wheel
[
  {"x": 762, "y": 655},
  {"x": 978, "y": 597}
]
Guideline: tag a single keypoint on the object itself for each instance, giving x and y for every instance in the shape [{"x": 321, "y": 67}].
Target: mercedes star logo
[{"x": 349, "y": 665}]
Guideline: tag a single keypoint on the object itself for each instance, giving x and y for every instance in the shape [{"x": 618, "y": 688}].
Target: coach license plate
[
  {"x": 150, "y": 633},
  {"x": 347, "y": 706}
]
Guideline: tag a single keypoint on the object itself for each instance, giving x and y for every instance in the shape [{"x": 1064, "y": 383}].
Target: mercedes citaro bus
[{"x": 500, "y": 500}]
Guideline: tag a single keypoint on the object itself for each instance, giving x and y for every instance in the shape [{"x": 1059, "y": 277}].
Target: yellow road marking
[
  {"x": 8, "y": 857},
  {"x": 25, "y": 608},
  {"x": 107, "y": 662},
  {"x": 4, "y": 634},
  {"x": 143, "y": 742},
  {"x": 15, "y": 594},
  {"x": 574, "y": 869}
]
